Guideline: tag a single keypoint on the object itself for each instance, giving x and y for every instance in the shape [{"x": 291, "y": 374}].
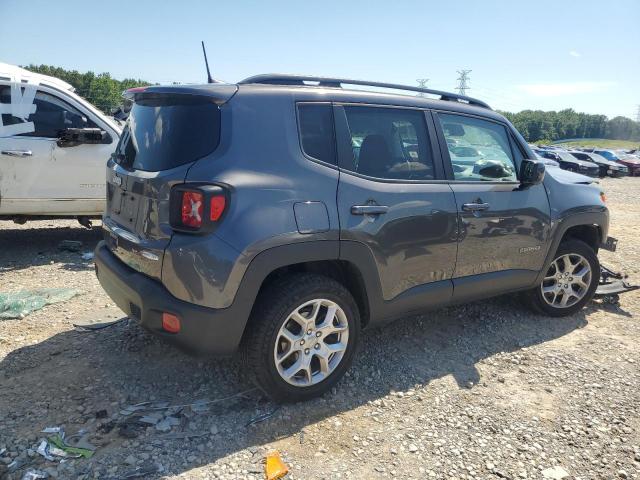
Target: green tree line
[
  {"x": 100, "y": 89},
  {"x": 535, "y": 125},
  {"x": 540, "y": 126}
]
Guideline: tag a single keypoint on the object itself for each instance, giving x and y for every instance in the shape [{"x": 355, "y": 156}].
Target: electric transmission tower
[
  {"x": 463, "y": 80},
  {"x": 422, "y": 83}
]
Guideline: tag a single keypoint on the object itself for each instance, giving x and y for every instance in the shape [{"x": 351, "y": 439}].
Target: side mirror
[
  {"x": 531, "y": 172},
  {"x": 71, "y": 137}
]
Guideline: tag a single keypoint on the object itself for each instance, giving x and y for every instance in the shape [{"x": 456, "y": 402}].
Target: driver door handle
[
  {"x": 474, "y": 207},
  {"x": 17, "y": 153},
  {"x": 369, "y": 209}
]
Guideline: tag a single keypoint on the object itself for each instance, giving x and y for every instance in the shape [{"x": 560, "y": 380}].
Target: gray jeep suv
[{"x": 282, "y": 215}]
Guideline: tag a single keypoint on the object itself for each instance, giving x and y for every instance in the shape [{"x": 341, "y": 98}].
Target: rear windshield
[{"x": 164, "y": 132}]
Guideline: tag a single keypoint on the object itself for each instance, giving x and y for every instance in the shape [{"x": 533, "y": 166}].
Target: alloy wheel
[
  {"x": 567, "y": 281},
  {"x": 311, "y": 342}
]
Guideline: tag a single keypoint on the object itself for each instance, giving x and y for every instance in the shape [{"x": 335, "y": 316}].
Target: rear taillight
[
  {"x": 192, "y": 207},
  {"x": 197, "y": 208},
  {"x": 217, "y": 203}
]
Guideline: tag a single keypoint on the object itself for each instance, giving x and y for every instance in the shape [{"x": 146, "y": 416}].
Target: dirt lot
[{"x": 486, "y": 390}]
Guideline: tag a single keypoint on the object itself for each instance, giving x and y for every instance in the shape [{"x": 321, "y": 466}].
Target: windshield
[
  {"x": 566, "y": 156},
  {"x": 608, "y": 155},
  {"x": 164, "y": 132}
]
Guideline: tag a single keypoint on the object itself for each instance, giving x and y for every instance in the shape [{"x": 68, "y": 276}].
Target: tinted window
[
  {"x": 479, "y": 149},
  {"x": 316, "y": 131},
  {"x": 389, "y": 143},
  {"x": 163, "y": 132},
  {"x": 51, "y": 115}
]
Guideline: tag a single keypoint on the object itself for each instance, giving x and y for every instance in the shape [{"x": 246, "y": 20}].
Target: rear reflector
[
  {"x": 170, "y": 323},
  {"x": 218, "y": 203},
  {"x": 192, "y": 207}
]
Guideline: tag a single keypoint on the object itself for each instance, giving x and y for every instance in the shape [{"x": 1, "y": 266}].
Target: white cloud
[
  {"x": 559, "y": 89},
  {"x": 573, "y": 53}
]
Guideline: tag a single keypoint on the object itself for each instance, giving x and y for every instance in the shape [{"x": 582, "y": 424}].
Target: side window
[
  {"x": 51, "y": 115},
  {"x": 316, "y": 131},
  {"x": 389, "y": 143},
  {"x": 479, "y": 149}
]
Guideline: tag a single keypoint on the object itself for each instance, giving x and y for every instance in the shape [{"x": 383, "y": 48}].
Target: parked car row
[{"x": 593, "y": 162}]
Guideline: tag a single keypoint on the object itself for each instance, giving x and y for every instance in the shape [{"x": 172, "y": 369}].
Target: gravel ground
[{"x": 486, "y": 390}]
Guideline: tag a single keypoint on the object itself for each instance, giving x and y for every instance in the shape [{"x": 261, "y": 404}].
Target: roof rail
[{"x": 283, "y": 79}]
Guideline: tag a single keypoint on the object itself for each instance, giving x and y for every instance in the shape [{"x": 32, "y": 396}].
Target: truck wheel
[
  {"x": 302, "y": 336},
  {"x": 569, "y": 282}
]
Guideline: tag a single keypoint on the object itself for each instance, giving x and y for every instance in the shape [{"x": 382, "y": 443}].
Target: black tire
[
  {"x": 572, "y": 246},
  {"x": 271, "y": 310}
]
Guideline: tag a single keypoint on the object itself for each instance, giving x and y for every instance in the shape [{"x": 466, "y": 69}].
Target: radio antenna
[{"x": 206, "y": 62}]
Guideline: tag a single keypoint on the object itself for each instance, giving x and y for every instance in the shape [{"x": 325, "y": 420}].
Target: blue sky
[{"x": 540, "y": 55}]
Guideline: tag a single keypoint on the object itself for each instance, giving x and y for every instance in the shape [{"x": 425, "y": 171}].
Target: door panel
[
  {"x": 510, "y": 234},
  {"x": 504, "y": 228},
  {"x": 406, "y": 215},
  {"x": 414, "y": 242},
  {"x": 26, "y": 177}
]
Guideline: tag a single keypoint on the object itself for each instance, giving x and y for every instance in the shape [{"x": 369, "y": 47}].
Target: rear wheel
[
  {"x": 302, "y": 336},
  {"x": 570, "y": 281}
]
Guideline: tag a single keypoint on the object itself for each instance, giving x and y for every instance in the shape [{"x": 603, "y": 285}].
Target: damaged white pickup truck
[{"x": 54, "y": 146}]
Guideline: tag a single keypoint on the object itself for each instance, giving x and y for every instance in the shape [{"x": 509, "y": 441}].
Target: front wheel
[
  {"x": 302, "y": 335},
  {"x": 570, "y": 281}
]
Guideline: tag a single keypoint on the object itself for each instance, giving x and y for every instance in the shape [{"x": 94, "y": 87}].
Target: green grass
[{"x": 599, "y": 142}]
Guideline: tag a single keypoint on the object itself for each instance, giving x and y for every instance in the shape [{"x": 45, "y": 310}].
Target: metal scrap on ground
[{"x": 90, "y": 327}]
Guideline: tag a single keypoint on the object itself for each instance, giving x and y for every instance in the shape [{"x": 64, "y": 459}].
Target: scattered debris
[
  {"x": 134, "y": 408},
  {"x": 274, "y": 467},
  {"x": 50, "y": 452},
  {"x": 200, "y": 406},
  {"x": 167, "y": 423},
  {"x": 130, "y": 429},
  {"x": 33, "y": 474},
  {"x": 90, "y": 327},
  {"x": 106, "y": 427},
  {"x": 59, "y": 430},
  {"x": 70, "y": 245},
  {"x": 22, "y": 303},
  {"x": 152, "y": 419},
  {"x": 555, "y": 473},
  {"x": 102, "y": 414},
  {"x": 80, "y": 441},
  {"x": 87, "y": 256},
  {"x": 263, "y": 417},
  {"x": 16, "y": 465},
  {"x": 57, "y": 443},
  {"x": 142, "y": 471}
]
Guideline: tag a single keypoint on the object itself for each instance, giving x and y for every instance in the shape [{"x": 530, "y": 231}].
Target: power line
[
  {"x": 463, "y": 86},
  {"x": 422, "y": 83}
]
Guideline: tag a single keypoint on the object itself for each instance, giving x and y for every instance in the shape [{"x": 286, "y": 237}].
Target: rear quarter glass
[{"x": 166, "y": 131}]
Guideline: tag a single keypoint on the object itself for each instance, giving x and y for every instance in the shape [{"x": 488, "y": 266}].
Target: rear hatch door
[{"x": 168, "y": 129}]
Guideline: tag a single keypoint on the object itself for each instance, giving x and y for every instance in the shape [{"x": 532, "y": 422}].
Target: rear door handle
[
  {"x": 369, "y": 209},
  {"x": 17, "y": 153},
  {"x": 474, "y": 207}
]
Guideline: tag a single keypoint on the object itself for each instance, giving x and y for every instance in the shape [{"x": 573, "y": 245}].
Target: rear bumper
[{"x": 203, "y": 330}]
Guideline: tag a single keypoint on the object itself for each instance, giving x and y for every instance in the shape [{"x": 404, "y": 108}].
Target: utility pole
[
  {"x": 422, "y": 83},
  {"x": 463, "y": 80}
]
